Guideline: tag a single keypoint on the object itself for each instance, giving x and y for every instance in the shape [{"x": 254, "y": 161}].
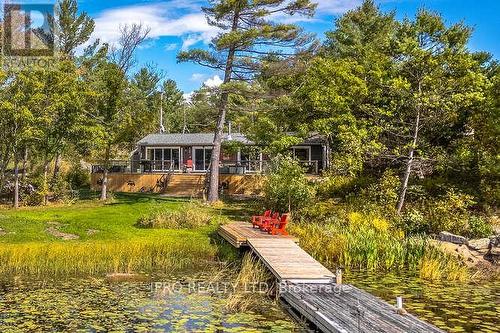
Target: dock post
[
  {"x": 399, "y": 301},
  {"x": 338, "y": 276}
]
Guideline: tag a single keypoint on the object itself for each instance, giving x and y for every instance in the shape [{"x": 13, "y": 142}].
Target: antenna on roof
[{"x": 162, "y": 128}]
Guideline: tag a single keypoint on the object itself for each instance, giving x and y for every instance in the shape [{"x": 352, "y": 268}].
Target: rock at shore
[
  {"x": 479, "y": 244},
  {"x": 445, "y": 236}
]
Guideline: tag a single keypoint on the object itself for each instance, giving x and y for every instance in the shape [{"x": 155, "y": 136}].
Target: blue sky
[{"x": 179, "y": 24}]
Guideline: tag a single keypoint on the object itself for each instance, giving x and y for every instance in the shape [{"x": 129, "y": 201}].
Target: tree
[
  {"x": 107, "y": 114},
  {"x": 437, "y": 79},
  {"x": 72, "y": 28},
  {"x": 247, "y": 38},
  {"x": 58, "y": 114},
  {"x": 173, "y": 108},
  {"x": 131, "y": 37},
  {"x": 23, "y": 94}
]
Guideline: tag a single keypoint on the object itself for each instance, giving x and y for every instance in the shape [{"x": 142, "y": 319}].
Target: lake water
[
  {"x": 453, "y": 307},
  {"x": 99, "y": 305}
]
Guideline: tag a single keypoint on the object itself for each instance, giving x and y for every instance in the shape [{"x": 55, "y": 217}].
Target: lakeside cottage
[
  {"x": 177, "y": 163},
  {"x": 192, "y": 152}
]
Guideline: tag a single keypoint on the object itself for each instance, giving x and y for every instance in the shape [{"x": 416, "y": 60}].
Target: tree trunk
[
  {"x": 16, "y": 183},
  {"x": 57, "y": 167},
  {"x": 213, "y": 187},
  {"x": 45, "y": 185},
  {"x": 25, "y": 164},
  {"x": 409, "y": 165},
  {"x": 104, "y": 187}
]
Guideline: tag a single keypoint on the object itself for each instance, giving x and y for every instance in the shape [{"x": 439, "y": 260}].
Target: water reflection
[{"x": 453, "y": 307}]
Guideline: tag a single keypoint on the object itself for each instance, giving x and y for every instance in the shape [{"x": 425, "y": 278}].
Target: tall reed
[
  {"x": 94, "y": 258},
  {"x": 365, "y": 241}
]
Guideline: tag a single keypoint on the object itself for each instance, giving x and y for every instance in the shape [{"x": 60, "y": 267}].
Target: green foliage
[
  {"x": 287, "y": 188},
  {"x": 73, "y": 28},
  {"x": 450, "y": 213},
  {"x": 78, "y": 177},
  {"x": 478, "y": 227},
  {"x": 341, "y": 236},
  {"x": 188, "y": 216},
  {"x": 384, "y": 192}
]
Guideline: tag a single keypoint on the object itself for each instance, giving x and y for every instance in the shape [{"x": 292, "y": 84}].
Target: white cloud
[
  {"x": 197, "y": 77},
  {"x": 163, "y": 19},
  {"x": 213, "y": 82},
  {"x": 188, "y": 96},
  {"x": 171, "y": 47},
  {"x": 336, "y": 6}
]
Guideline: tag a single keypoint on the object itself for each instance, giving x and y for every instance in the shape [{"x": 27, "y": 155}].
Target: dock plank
[
  {"x": 288, "y": 261},
  {"x": 237, "y": 233},
  {"x": 351, "y": 310}
]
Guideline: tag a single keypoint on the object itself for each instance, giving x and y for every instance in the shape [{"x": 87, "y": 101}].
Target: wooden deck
[
  {"x": 307, "y": 288},
  {"x": 238, "y": 234}
]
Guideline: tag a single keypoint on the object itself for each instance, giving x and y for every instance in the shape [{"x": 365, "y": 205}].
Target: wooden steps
[{"x": 185, "y": 185}]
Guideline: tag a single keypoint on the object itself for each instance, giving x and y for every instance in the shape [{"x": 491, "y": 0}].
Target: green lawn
[
  {"x": 116, "y": 243},
  {"x": 113, "y": 221}
]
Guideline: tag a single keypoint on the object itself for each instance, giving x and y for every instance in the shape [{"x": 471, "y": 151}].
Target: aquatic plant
[
  {"x": 98, "y": 257},
  {"x": 251, "y": 273},
  {"x": 368, "y": 241}
]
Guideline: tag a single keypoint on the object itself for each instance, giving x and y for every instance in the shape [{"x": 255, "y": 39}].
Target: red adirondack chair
[
  {"x": 280, "y": 226},
  {"x": 268, "y": 222},
  {"x": 257, "y": 219}
]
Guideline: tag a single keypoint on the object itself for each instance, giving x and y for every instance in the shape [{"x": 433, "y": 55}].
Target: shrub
[
  {"x": 286, "y": 187},
  {"x": 413, "y": 222},
  {"x": 384, "y": 193},
  {"x": 190, "y": 216},
  {"x": 478, "y": 227},
  {"x": 451, "y": 213},
  {"x": 341, "y": 186},
  {"x": 78, "y": 177}
]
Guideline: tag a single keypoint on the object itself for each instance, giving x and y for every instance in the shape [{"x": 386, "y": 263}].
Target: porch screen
[{"x": 164, "y": 159}]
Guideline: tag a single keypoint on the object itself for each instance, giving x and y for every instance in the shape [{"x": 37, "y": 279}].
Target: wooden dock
[
  {"x": 308, "y": 288},
  {"x": 238, "y": 234},
  {"x": 288, "y": 262},
  {"x": 345, "y": 309}
]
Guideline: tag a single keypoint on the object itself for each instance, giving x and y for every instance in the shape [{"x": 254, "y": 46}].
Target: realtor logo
[
  {"x": 28, "y": 34},
  {"x": 28, "y": 30}
]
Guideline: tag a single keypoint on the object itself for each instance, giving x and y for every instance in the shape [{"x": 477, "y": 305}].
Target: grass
[
  {"x": 367, "y": 241},
  {"x": 115, "y": 243},
  {"x": 189, "y": 216}
]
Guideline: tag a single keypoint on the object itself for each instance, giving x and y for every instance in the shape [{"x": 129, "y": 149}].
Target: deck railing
[{"x": 226, "y": 167}]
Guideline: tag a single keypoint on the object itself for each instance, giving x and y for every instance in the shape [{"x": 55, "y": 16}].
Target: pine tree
[{"x": 248, "y": 37}]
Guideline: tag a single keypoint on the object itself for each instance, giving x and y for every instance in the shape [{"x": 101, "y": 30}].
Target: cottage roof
[{"x": 188, "y": 139}]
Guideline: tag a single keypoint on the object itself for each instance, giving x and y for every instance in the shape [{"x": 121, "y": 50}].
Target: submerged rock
[
  {"x": 479, "y": 244},
  {"x": 451, "y": 238}
]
